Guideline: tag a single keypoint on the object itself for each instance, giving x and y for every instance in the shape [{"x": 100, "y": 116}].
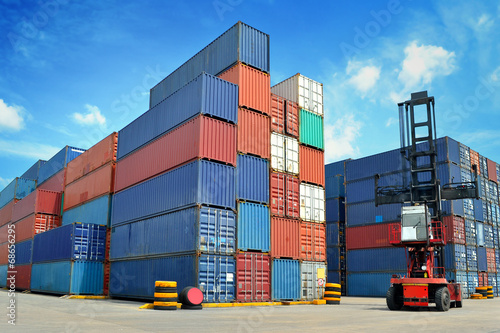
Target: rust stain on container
[
  {"x": 312, "y": 165},
  {"x": 285, "y": 195},
  {"x": 254, "y": 133},
  {"x": 284, "y": 116},
  {"x": 285, "y": 238},
  {"x": 312, "y": 241}
]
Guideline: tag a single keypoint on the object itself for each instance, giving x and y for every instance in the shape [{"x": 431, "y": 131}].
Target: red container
[
  {"x": 105, "y": 289},
  {"x": 285, "y": 195},
  {"x": 490, "y": 259},
  {"x": 254, "y": 87},
  {"x": 253, "y": 277},
  {"x": 23, "y": 277},
  {"x": 492, "y": 170},
  {"x": 284, "y": 116},
  {"x": 202, "y": 137},
  {"x": 254, "y": 133},
  {"x": 312, "y": 241},
  {"x": 285, "y": 238},
  {"x": 368, "y": 236},
  {"x": 34, "y": 224},
  {"x": 93, "y": 185},
  {"x": 4, "y": 253},
  {"x": 54, "y": 183},
  {"x": 474, "y": 160},
  {"x": 38, "y": 201},
  {"x": 6, "y": 213},
  {"x": 482, "y": 279},
  {"x": 311, "y": 165},
  {"x": 454, "y": 229},
  {"x": 99, "y": 154},
  {"x": 4, "y": 233}
]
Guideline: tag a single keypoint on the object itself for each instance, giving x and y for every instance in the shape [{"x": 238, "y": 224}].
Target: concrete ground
[{"x": 43, "y": 313}]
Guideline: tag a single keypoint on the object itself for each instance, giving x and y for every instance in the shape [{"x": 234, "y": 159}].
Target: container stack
[{"x": 52, "y": 173}]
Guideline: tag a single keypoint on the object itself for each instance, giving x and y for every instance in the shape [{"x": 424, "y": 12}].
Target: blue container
[
  {"x": 285, "y": 280},
  {"x": 334, "y": 277},
  {"x": 335, "y": 256},
  {"x": 197, "y": 183},
  {"x": 335, "y": 169},
  {"x": 459, "y": 277},
  {"x": 252, "y": 181},
  {"x": 3, "y": 275},
  {"x": 370, "y": 260},
  {"x": 335, "y": 233},
  {"x": 58, "y": 162},
  {"x": 468, "y": 208},
  {"x": 23, "y": 252},
  {"x": 495, "y": 238},
  {"x": 488, "y": 236},
  {"x": 17, "y": 189},
  {"x": 480, "y": 233},
  {"x": 97, "y": 211},
  {"x": 364, "y": 189},
  {"x": 254, "y": 227},
  {"x": 455, "y": 257},
  {"x": 206, "y": 94},
  {"x": 204, "y": 229},
  {"x": 240, "y": 43},
  {"x": 482, "y": 263},
  {"x": 478, "y": 210},
  {"x": 472, "y": 282},
  {"x": 470, "y": 232},
  {"x": 68, "y": 277},
  {"x": 214, "y": 275},
  {"x": 77, "y": 241},
  {"x": 471, "y": 252},
  {"x": 334, "y": 187},
  {"x": 369, "y": 284},
  {"x": 32, "y": 172},
  {"x": 366, "y": 213},
  {"x": 335, "y": 210}
]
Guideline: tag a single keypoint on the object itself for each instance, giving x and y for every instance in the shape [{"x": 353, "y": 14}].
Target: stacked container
[{"x": 52, "y": 173}]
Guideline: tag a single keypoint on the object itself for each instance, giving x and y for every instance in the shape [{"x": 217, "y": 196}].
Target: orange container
[
  {"x": 4, "y": 253},
  {"x": 6, "y": 212},
  {"x": 285, "y": 195},
  {"x": 284, "y": 116},
  {"x": 492, "y": 170},
  {"x": 202, "y": 137},
  {"x": 285, "y": 238},
  {"x": 54, "y": 183},
  {"x": 254, "y": 87},
  {"x": 38, "y": 201},
  {"x": 312, "y": 241},
  {"x": 4, "y": 233},
  {"x": 254, "y": 133},
  {"x": 93, "y": 185},
  {"x": 23, "y": 277},
  {"x": 99, "y": 154},
  {"x": 34, "y": 224},
  {"x": 311, "y": 165},
  {"x": 474, "y": 160}
]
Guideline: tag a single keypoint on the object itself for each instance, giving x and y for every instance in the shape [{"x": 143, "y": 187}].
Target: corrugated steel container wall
[
  {"x": 312, "y": 203},
  {"x": 307, "y": 93},
  {"x": 68, "y": 277},
  {"x": 17, "y": 189},
  {"x": 3, "y": 275},
  {"x": 369, "y": 260},
  {"x": 285, "y": 195},
  {"x": 254, "y": 87},
  {"x": 364, "y": 189},
  {"x": 254, "y": 136},
  {"x": 253, "y": 277},
  {"x": 241, "y": 43},
  {"x": 284, "y": 153},
  {"x": 214, "y": 275},
  {"x": 58, "y": 162},
  {"x": 6, "y": 212},
  {"x": 4, "y": 234},
  {"x": 252, "y": 180},
  {"x": 488, "y": 236},
  {"x": 455, "y": 229},
  {"x": 204, "y": 229},
  {"x": 95, "y": 184},
  {"x": 311, "y": 129},
  {"x": 99, "y": 154},
  {"x": 336, "y": 277},
  {"x": 285, "y": 280},
  {"x": 310, "y": 272},
  {"x": 285, "y": 238},
  {"x": 491, "y": 260},
  {"x": 471, "y": 252},
  {"x": 335, "y": 210},
  {"x": 4, "y": 252},
  {"x": 77, "y": 241},
  {"x": 38, "y": 201},
  {"x": 284, "y": 116},
  {"x": 254, "y": 230},
  {"x": 199, "y": 182},
  {"x": 336, "y": 257},
  {"x": 366, "y": 213},
  {"x": 455, "y": 256},
  {"x": 472, "y": 282},
  {"x": 464, "y": 156},
  {"x": 369, "y": 284},
  {"x": 478, "y": 210},
  {"x": 469, "y": 208},
  {"x": 482, "y": 262},
  {"x": 97, "y": 211},
  {"x": 312, "y": 165},
  {"x": 335, "y": 233},
  {"x": 474, "y": 160},
  {"x": 368, "y": 236},
  {"x": 480, "y": 233},
  {"x": 482, "y": 279},
  {"x": 334, "y": 187},
  {"x": 35, "y": 224},
  {"x": 23, "y": 277},
  {"x": 23, "y": 252},
  {"x": 459, "y": 277},
  {"x": 32, "y": 172},
  {"x": 201, "y": 137},
  {"x": 336, "y": 169},
  {"x": 54, "y": 183},
  {"x": 206, "y": 94},
  {"x": 312, "y": 241}
]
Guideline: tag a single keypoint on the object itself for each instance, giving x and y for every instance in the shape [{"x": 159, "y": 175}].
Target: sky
[{"x": 73, "y": 72}]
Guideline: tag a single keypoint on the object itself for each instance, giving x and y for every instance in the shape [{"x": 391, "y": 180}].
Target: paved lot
[{"x": 42, "y": 313}]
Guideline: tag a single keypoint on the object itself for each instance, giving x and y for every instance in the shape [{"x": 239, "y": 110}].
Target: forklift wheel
[
  {"x": 458, "y": 304},
  {"x": 442, "y": 298},
  {"x": 394, "y": 298}
]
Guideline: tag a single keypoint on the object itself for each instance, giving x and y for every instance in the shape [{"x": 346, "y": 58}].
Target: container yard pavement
[{"x": 42, "y": 313}]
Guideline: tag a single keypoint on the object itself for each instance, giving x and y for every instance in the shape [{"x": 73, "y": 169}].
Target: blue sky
[{"x": 71, "y": 72}]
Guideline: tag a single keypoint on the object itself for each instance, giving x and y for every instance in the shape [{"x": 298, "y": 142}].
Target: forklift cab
[{"x": 415, "y": 224}]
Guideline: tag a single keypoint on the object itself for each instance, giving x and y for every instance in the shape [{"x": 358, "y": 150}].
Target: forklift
[{"x": 421, "y": 230}]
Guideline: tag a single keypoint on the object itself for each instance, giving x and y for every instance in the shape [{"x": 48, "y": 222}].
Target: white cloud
[
  {"x": 92, "y": 117},
  {"x": 364, "y": 78},
  {"x": 340, "y": 137},
  {"x": 4, "y": 182},
  {"x": 391, "y": 121},
  {"x": 32, "y": 150},
  {"x": 423, "y": 63},
  {"x": 495, "y": 76},
  {"x": 484, "y": 22},
  {"x": 11, "y": 117}
]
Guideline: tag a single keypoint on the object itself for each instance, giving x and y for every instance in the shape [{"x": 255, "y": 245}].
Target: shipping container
[
  {"x": 4, "y": 253},
  {"x": 471, "y": 252},
  {"x": 474, "y": 161},
  {"x": 96, "y": 211},
  {"x": 368, "y": 236},
  {"x": 454, "y": 229},
  {"x": 483, "y": 165},
  {"x": 482, "y": 261},
  {"x": 284, "y": 153},
  {"x": 58, "y": 162},
  {"x": 3, "y": 275},
  {"x": 369, "y": 260},
  {"x": 482, "y": 278},
  {"x": 35, "y": 224},
  {"x": 336, "y": 258},
  {"x": 214, "y": 275},
  {"x": 365, "y": 213},
  {"x": 68, "y": 277},
  {"x": 369, "y": 284},
  {"x": 455, "y": 257},
  {"x": 491, "y": 260},
  {"x": 286, "y": 280},
  {"x": 307, "y": 93},
  {"x": 17, "y": 189},
  {"x": 312, "y": 241},
  {"x": 335, "y": 234},
  {"x": 459, "y": 277},
  {"x": 285, "y": 238},
  {"x": 38, "y": 201},
  {"x": 488, "y": 236},
  {"x": 496, "y": 243},
  {"x": 311, "y": 129},
  {"x": 472, "y": 280},
  {"x": 6, "y": 212},
  {"x": 480, "y": 233},
  {"x": 312, "y": 203},
  {"x": 252, "y": 180},
  {"x": 284, "y": 116},
  {"x": 313, "y": 276},
  {"x": 335, "y": 210},
  {"x": 285, "y": 195},
  {"x": 77, "y": 241},
  {"x": 23, "y": 252},
  {"x": 4, "y": 233},
  {"x": 241, "y": 43},
  {"x": 98, "y": 155},
  {"x": 464, "y": 156},
  {"x": 254, "y": 136},
  {"x": 254, "y": 230},
  {"x": 253, "y": 277},
  {"x": 22, "y": 276},
  {"x": 334, "y": 187},
  {"x": 470, "y": 232},
  {"x": 202, "y": 229},
  {"x": 54, "y": 183},
  {"x": 469, "y": 208},
  {"x": 312, "y": 165},
  {"x": 32, "y": 172},
  {"x": 492, "y": 281},
  {"x": 336, "y": 168},
  {"x": 199, "y": 182},
  {"x": 254, "y": 87}
]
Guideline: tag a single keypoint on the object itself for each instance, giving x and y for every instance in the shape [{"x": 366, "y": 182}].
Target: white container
[
  {"x": 312, "y": 203},
  {"x": 284, "y": 153},
  {"x": 303, "y": 91},
  {"x": 313, "y": 279}
]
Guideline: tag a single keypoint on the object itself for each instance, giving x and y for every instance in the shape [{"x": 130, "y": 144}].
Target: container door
[
  {"x": 292, "y": 197},
  {"x": 216, "y": 278},
  {"x": 278, "y": 193},
  {"x": 278, "y": 152},
  {"x": 292, "y": 118},
  {"x": 313, "y": 280},
  {"x": 292, "y": 155},
  {"x": 253, "y": 277},
  {"x": 217, "y": 231},
  {"x": 310, "y": 95},
  {"x": 480, "y": 234},
  {"x": 305, "y": 202},
  {"x": 318, "y": 204},
  {"x": 277, "y": 113}
]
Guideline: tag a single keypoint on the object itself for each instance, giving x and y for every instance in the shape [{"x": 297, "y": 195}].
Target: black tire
[
  {"x": 332, "y": 289},
  {"x": 159, "y": 307},
  {"x": 165, "y": 290},
  {"x": 442, "y": 299},
  {"x": 333, "y": 302},
  {"x": 394, "y": 298},
  {"x": 191, "y": 307},
  {"x": 184, "y": 296},
  {"x": 159, "y": 299},
  {"x": 458, "y": 304}
]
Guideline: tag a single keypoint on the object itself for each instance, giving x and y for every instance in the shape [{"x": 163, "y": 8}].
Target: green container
[{"x": 311, "y": 129}]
